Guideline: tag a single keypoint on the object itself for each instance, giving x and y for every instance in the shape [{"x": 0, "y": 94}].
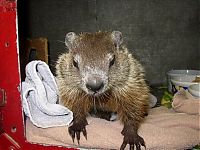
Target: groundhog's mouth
[{"x": 95, "y": 94}]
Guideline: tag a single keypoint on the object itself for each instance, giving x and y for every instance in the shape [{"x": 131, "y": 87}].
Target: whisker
[{"x": 99, "y": 100}]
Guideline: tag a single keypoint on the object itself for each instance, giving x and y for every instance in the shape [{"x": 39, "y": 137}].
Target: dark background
[{"x": 162, "y": 34}]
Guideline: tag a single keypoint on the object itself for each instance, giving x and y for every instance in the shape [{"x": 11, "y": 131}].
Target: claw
[
  {"x": 78, "y": 142},
  {"x": 76, "y": 128},
  {"x": 131, "y": 147},
  {"x": 84, "y": 133},
  {"x": 78, "y": 136},
  {"x": 132, "y": 139},
  {"x": 123, "y": 145},
  {"x": 138, "y": 146},
  {"x": 142, "y": 142},
  {"x": 72, "y": 134}
]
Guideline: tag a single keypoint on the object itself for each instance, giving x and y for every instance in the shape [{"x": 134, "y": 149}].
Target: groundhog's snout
[{"x": 95, "y": 85}]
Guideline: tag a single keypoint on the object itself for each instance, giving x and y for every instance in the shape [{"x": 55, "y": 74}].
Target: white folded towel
[{"x": 40, "y": 97}]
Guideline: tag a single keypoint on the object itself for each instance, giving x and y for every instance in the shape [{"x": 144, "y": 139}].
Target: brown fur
[{"x": 127, "y": 93}]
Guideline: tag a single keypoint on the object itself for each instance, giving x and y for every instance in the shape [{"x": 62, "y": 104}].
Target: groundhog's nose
[{"x": 95, "y": 85}]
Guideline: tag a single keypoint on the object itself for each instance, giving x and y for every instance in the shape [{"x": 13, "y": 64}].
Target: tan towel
[
  {"x": 184, "y": 102},
  {"x": 162, "y": 129}
]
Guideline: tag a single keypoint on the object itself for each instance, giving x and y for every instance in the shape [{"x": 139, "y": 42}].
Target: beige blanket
[
  {"x": 184, "y": 102},
  {"x": 162, "y": 129}
]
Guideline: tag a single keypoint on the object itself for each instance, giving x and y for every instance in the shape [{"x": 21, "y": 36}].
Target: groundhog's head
[{"x": 95, "y": 62}]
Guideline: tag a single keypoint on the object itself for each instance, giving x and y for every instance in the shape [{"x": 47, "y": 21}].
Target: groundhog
[{"x": 98, "y": 71}]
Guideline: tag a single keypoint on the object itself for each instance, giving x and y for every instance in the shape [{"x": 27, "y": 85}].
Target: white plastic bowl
[
  {"x": 173, "y": 73},
  {"x": 182, "y": 84},
  {"x": 184, "y": 78},
  {"x": 194, "y": 90},
  {"x": 181, "y": 78}
]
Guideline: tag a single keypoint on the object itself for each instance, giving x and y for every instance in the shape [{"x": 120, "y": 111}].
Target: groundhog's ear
[
  {"x": 69, "y": 39},
  {"x": 117, "y": 38}
]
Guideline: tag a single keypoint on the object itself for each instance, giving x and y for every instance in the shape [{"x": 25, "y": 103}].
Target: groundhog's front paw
[
  {"x": 76, "y": 128},
  {"x": 133, "y": 139}
]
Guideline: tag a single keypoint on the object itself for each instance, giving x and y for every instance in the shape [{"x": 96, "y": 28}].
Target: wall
[
  {"x": 163, "y": 35},
  {"x": 199, "y": 35}
]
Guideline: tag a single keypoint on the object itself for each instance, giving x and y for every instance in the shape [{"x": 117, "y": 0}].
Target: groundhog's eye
[
  {"x": 112, "y": 61},
  {"x": 75, "y": 63}
]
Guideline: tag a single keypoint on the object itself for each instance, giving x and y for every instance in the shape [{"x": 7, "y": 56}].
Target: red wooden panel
[
  {"x": 9, "y": 71},
  {"x": 11, "y": 118}
]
